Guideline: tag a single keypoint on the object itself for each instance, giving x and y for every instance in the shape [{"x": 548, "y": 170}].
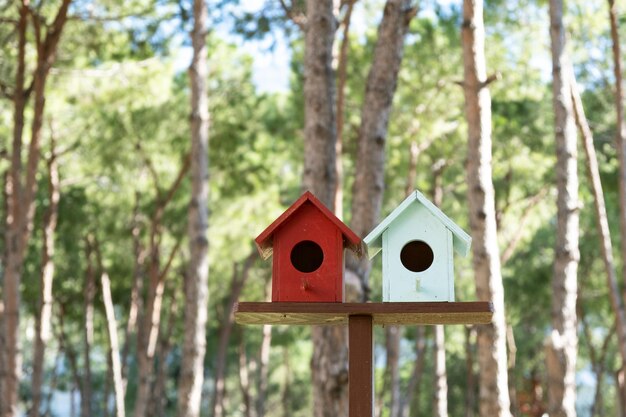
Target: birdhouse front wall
[
  {"x": 417, "y": 258},
  {"x": 308, "y": 259}
]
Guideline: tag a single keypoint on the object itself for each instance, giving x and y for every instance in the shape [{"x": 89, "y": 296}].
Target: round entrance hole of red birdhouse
[
  {"x": 307, "y": 256},
  {"x": 417, "y": 256}
]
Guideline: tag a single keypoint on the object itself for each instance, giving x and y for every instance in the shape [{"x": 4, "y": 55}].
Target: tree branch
[
  {"x": 298, "y": 18},
  {"x": 179, "y": 179},
  {"x": 493, "y": 77},
  {"x": 170, "y": 259},
  {"x": 150, "y": 166},
  {"x": 521, "y": 224}
]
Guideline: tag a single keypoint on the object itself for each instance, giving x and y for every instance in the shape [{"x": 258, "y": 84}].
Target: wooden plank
[
  {"x": 361, "y": 366},
  {"x": 472, "y": 312}
]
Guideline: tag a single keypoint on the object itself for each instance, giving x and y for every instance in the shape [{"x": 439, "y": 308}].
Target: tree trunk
[
  {"x": 44, "y": 316},
  {"x": 493, "y": 379},
  {"x": 620, "y": 126},
  {"x": 320, "y": 133},
  {"x": 11, "y": 362},
  {"x": 148, "y": 334},
  {"x": 136, "y": 300},
  {"x": 342, "y": 72},
  {"x": 107, "y": 385},
  {"x": 330, "y": 355},
  {"x": 470, "y": 391},
  {"x": 440, "y": 405},
  {"x": 151, "y": 321},
  {"x": 264, "y": 361},
  {"x": 380, "y": 89},
  {"x": 53, "y": 384},
  {"x": 196, "y": 286},
  {"x": 236, "y": 285},
  {"x": 319, "y": 177},
  {"x": 89, "y": 293},
  {"x": 285, "y": 399},
  {"x": 118, "y": 384},
  {"x": 412, "y": 390},
  {"x": 21, "y": 197},
  {"x": 164, "y": 348},
  {"x": 512, "y": 349},
  {"x": 562, "y": 344},
  {"x": 620, "y": 385},
  {"x": 391, "y": 379},
  {"x": 244, "y": 378},
  {"x": 598, "y": 361},
  {"x": 606, "y": 247},
  {"x": 70, "y": 354}
]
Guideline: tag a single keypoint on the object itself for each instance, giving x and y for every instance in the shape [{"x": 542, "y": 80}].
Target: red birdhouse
[{"x": 307, "y": 242}]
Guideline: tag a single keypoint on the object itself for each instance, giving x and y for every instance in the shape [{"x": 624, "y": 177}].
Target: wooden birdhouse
[
  {"x": 418, "y": 241},
  {"x": 307, "y": 244}
]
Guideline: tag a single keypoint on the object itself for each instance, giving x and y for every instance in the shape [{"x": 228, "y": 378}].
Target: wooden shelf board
[{"x": 472, "y": 312}]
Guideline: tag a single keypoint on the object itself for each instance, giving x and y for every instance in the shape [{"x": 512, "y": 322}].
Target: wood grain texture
[
  {"x": 473, "y": 312},
  {"x": 361, "y": 369}
]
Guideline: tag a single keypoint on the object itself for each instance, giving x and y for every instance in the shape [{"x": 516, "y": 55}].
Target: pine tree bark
[
  {"x": 620, "y": 126},
  {"x": 240, "y": 276},
  {"x": 70, "y": 354},
  {"x": 244, "y": 379},
  {"x": 440, "y": 405},
  {"x": 20, "y": 194},
  {"x": 89, "y": 293},
  {"x": 320, "y": 134},
  {"x": 196, "y": 286},
  {"x": 264, "y": 368},
  {"x": 379, "y": 91},
  {"x": 342, "y": 74},
  {"x": 493, "y": 379},
  {"x": 116, "y": 364},
  {"x": 136, "y": 300},
  {"x": 606, "y": 247},
  {"x": 13, "y": 259},
  {"x": 285, "y": 399},
  {"x": 163, "y": 351},
  {"x": 148, "y": 334},
  {"x": 264, "y": 361},
  {"x": 329, "y": 364},
  {"x": 562, "y": 344},
  {"x": 44, "y": 316},
  {"x": 598, "y": 361},
  {"x": 470, "y": 391},
  {"x": 412, "y": 390},
  {"x": 391, "y": 382}
]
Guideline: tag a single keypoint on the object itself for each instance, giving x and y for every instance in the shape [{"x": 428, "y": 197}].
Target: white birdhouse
[{"x": 417, "y": 241}]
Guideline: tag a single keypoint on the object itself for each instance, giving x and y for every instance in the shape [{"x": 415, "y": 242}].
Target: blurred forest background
[{"x": 103, "y": 146}]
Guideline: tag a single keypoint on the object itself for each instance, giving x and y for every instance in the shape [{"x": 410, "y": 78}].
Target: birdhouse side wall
[
  {"x": 450, "y": 265},
  {"x": 325, "y": 284},
  {"x": 416, "y": 223}
]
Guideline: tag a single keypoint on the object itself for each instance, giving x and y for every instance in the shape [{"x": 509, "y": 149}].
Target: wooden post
[
  {"x": 361, "y": 365},
  {"x": 361, "y": 317}
]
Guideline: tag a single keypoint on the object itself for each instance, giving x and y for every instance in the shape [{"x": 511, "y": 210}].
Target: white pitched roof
[{"x": 461, "y": 240}]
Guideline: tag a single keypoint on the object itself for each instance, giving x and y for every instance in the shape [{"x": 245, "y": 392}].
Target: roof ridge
[
  {"x": 463, "y": 240},
  {"x": 263, "y": 240}
]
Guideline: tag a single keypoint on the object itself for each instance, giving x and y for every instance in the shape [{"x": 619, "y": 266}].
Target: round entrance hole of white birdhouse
[
  {"x": 417, "y": 256},
  {"x": 307, "y": 256}
]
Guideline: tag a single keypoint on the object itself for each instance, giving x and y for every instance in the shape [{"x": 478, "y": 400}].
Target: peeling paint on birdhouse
[
  {"x": 307, "y": 244},
  {"x": 418, "y": 242}
]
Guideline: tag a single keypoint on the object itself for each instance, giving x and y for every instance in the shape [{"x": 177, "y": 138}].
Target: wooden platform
[{"x": 473, "y": 312}]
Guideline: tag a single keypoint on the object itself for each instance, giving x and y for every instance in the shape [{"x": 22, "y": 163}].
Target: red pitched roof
[{"x": 264, "y": 241}]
